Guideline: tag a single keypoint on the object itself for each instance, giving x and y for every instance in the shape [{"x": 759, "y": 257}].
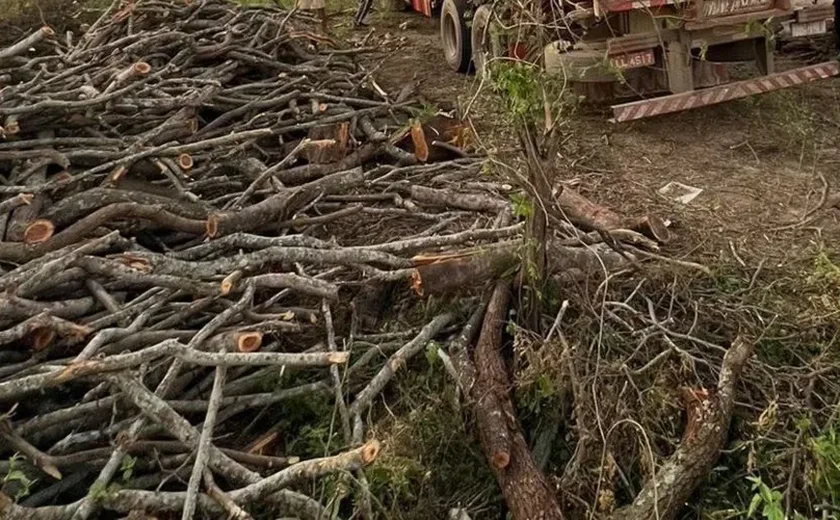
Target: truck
[{"x": 645, "y": 57}]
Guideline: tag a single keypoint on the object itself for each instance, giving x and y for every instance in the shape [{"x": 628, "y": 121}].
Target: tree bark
[
  {"x": 466, "y": 269},
  {"x": 591, "y": 216},
  {"x": 527, "y": 492}
]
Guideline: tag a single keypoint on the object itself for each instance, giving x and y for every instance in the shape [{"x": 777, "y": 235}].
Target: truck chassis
[{"x": 648, "y": 57}]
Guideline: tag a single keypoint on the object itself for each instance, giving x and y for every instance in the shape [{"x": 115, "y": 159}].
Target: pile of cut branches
[{"x": 198, "y": 198}]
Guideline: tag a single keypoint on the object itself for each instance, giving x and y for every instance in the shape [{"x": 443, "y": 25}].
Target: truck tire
[
  {"x": 455, "y": 35},
  {"x": 485, "y": 46}
]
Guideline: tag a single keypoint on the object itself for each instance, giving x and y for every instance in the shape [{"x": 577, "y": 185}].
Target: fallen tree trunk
[
  {"x": 527, "y": 492},
  {"x": 464, "y": 270}
]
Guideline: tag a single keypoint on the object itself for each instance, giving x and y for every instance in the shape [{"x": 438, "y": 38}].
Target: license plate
[
  {"x": 634, "y": 60},
  {"x": 807, "y": 28},
  {"x": 715, "y": 8}
]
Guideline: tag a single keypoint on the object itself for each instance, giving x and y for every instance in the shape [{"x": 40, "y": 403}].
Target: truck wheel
[
  {"x": 455, "y": 35},
  {"x": 486, "y": 45}
]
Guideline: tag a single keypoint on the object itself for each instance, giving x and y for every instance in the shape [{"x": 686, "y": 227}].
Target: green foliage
[
  {"x": 311, "y": 440},
  {"x": 769, "y": 500},
  {"x": 521, "y": 205},
  {"x": 395, "y": 479},
  {"x": 127, "y": 467},
  {"x": 18, "y": 478},
  {"x": 520, "y": 87},
  {"x": 529, "y": 95},
  {"x": 424, "y": 113},
  {"x": 537, "y": 396},
  {"x": 728, "y": 281},
  {"x": 430, "y": 460},
  {"x": 825, "y": 271},
  {"x": 825, "y": 477},
  {"x": 432, "y": 356}
]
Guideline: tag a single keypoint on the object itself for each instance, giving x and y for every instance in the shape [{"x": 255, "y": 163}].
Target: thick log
[
  {"x": 22, "y": 217},
  {"x": 436, "y": 139},
  {"x": 527, "y": 492},
  {"x": 454, "y": 199},
  {"x": 591, "y": 216},
  {"x": 335, "y": 139},
  {"x": 465, "y": 270},
  {"x": 24, "y": 45},
  {"x": 461, "y": 271},
  {"x": 71, "y": 208}
]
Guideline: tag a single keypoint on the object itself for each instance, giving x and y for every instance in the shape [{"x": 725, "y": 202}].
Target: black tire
[
  {"x": 481, "y": 41},
  {"x": 455, "y": 35}
]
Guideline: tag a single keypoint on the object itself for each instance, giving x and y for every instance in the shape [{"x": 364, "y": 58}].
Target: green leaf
[
  {"x": 756, "y": 501},
  {"x": 432, "y": 353},
  {"x": 16, "y": 475}
]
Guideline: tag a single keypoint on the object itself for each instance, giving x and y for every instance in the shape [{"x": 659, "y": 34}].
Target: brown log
[
  {"x": 442, "y": 137},
  {"x": 335, "y": 139},
  {"x": 248, "y": 341},
  {"x": 527, "y": 492},
  {"x": 461, "y": 271},
  {"x": 21, "y": 218},
  {"x": 14, "y": 252},
  {"x": 464, "y": 270},
  {"x": 185, "y": 161},
  {"x": 307, "y": 172},
  {"x": 591, "y": 216}
]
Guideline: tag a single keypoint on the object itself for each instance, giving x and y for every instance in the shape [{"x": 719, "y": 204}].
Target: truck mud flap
[{"x": 714, "y": 95}]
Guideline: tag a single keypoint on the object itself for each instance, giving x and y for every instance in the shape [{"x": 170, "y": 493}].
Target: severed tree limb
[
  {"x": 20, "y": 253},
  {"x": 455, "y": 199},
  {"x": 158, "y": 410},
  {"x": 527, "y": 492},
  {"x": 43, "y": 276},
  {"x": 591, "y": 216},
  {"x": 710, "y": 412},
  {"x": 459, "y": 270},
  {"x": 18, "y": 443},
  {"x": 42, "y": 329},
  {"x": 23, "y": 216},
  {"x": 24, "y": 385},
  {"x": 202, "y": 453},
  {"x": 23, "y": 45},
  {"x": 233, "y": 510},
  {"x": 281, "y": 205},
  {"x": 72, "y": 208}
]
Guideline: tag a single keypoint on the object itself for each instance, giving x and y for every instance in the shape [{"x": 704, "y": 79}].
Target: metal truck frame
[{"x": 663, "y": 55}]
